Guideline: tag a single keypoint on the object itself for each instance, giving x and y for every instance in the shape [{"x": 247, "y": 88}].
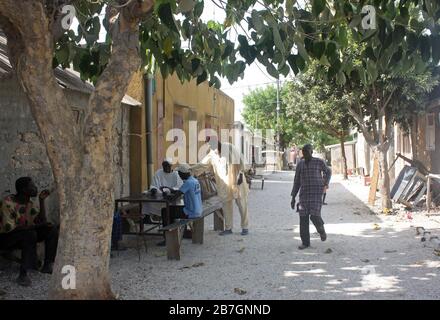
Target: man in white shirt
[{"x": 166, "y": 177}]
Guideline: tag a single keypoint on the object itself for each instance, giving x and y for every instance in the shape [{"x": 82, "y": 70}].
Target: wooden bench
[
  {"x": 251, "y": 175},
  {"x": 212, "y": 203}
]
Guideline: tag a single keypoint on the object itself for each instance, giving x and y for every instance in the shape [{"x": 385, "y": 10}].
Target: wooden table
[{"x": 145, "y": 198}]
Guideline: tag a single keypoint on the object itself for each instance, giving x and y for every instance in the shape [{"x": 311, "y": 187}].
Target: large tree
[
  {"x": 260, "y": 113},
  {"x": 80, "y": 155},
  {"x": 282, "y": 35},
  {"x": 385, "y": 95}
]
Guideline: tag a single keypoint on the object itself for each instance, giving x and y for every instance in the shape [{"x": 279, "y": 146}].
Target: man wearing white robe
[{"x": 228, "y": 168}]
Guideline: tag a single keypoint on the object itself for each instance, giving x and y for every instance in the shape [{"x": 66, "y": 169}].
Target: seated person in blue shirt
[{"x": 192, "y": 196}]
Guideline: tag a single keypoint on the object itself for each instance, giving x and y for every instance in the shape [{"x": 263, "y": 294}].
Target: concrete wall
[
  {"x": 22, "y": 152},
  {"x": 244, "y": 140},
  {"x": 336, "y": 158},
  {"x": 363, "y": 155}
]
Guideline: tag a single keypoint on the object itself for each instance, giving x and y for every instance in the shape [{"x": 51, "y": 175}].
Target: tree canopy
[
  {"x": 282, "y": 35},
  {"x": 260, "y": 112}
]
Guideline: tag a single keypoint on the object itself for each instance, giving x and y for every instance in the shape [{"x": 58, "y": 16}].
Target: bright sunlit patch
[
  {"x": 297, "y": 273},
  {"x": 308, "y": 262},
  {"x": 291, "y": 274}
]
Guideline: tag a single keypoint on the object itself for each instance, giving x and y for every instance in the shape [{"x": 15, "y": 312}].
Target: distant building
[
  {"x": 171, "y": 105},
  {"x": 336, "y": 157},
  {"x": 423, "y": 144},
  {"x": 249, "y": 143}
]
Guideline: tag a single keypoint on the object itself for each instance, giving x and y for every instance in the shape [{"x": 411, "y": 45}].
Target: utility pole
[
  {"x": 277, "y": 148},
  {"x": 278, "y": 115}
]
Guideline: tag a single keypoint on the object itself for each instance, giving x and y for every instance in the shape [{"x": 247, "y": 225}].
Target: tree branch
[
  {"x": 388, "y": 100},
  {"x": 30, "y": 47},
  {"x": 359, "y": 119},
  {"x": 124, "y": 61},
  {"x": 373, "y": 115},
  {"x": 55, "y": 17}
]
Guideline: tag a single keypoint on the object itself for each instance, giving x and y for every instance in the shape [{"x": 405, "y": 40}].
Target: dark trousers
[
  {"x": 116, "y": 229},
  {"x": 176, "y": 212},
  {"x": 304, "y": 227},
  {"x": 26, "y": 241}
]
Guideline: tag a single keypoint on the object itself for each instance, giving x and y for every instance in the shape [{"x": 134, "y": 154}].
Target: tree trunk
[
  {"x": 384, "y": 178},
  {"x": 81, "y": 156},
  {"x": 344, "y": 158}
]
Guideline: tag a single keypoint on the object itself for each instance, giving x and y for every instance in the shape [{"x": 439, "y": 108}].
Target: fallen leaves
[
  {"x": 419, "y": 230},
  {"x": 160, "y": 254},
  {"x": 198, "y": 264},
  {"x": 376, "y": 227},
  {"x": 241, "y": 250},
  {"x": 240, "y": 291},
  {"x": 195, "y": 265}
]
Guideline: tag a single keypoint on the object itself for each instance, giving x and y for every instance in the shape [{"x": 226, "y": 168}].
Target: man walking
[{"x": 312, "y": 178}]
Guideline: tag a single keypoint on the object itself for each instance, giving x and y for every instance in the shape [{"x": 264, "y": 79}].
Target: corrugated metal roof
[{"x": 67, "y": 78}]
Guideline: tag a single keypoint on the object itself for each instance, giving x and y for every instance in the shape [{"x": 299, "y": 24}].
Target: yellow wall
[
  {"x": 190, "y": 101},
  {"x": 138, "y": 155}
]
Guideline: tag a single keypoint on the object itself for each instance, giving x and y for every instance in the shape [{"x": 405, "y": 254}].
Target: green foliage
[
  {"x": 281, "y": 35},
  {"x": 318, "y": 103},
  {"x": 260, "y": 113}
]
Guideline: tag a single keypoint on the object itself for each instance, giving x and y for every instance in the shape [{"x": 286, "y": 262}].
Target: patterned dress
[
  {"x": 310, "y": 179},
  {"x": 14, "y": 214}
]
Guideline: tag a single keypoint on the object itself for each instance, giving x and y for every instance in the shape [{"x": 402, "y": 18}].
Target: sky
[{"x": 255, "y": 75}]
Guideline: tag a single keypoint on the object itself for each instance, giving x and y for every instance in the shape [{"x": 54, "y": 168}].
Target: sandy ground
[{"x": 366, "y": 256}]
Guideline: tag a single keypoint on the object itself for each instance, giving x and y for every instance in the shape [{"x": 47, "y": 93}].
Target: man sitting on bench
[
  {"x": 22, "y": 225},
  {"x": 192, "y": 197},
  {"x": 164, "y": 178}
]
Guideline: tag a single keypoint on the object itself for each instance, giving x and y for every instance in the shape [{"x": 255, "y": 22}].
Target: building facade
[{"x": 168, "y": 105}]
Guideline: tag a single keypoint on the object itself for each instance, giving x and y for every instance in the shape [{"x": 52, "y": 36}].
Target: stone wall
[{"x": 22, "y": 152}]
